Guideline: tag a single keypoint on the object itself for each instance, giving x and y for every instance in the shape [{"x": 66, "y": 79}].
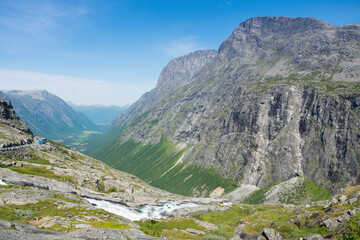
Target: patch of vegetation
[
  {"x": 39, "y": 171},
  {"x": 33, "y": 158},
  {"x": 279, "y": 219},
  {"x": 26, "y": 213},
  {"x": 155, "y": 228},
  {"x": 317, "y": 193},
  {"x": 353, "y": 229},
  {"x": 79, "y": 140},
  {"x": 49, "y": 208},
  {"x": 313, "y": 79},
  {"x": 213, "y": 236},
  {"x": 109, "y": 224},
  {"x": 258, "y": 197},
  {"x": 258, "y": 217},
  {"x": 152, "y": 163},
  {"x": 177, "y": 234},
  {"x": 226, "y": 220},
  {"x": 94, "y": 142},
  {"x": 9, "y": 186},
  {"x": 39, "y": 209},
  {"x": 307, "y": 190},
  {"x": 66, "y": 199}
]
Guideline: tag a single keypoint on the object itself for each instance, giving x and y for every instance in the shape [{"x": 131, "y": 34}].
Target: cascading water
[{"x": 146, "y": 211}]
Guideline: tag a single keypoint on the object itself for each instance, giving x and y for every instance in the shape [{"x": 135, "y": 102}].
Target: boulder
[
  {"x": 331, "y": 223},
  {"x": 218, "y": 192},
  {"x": 343, "y": 198},
  {"x": 314, "y": 237},
  {"x": 194, "y": 231},
  {"x": 352, "y": 200},
  {"x": 271, "y": 234}
]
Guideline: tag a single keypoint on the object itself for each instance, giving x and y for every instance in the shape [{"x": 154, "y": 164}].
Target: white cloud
[
  {"x": 77, "y": 90},
  {"x": 36, "y": 16},
  {"x": 181, "y": 46},
  {"x": 25, "y": 24}
]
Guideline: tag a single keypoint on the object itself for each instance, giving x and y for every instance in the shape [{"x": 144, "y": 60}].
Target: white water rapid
[{"x": 146, "y": 211}]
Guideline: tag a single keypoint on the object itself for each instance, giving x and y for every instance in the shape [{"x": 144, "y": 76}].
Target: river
[{"x": 146, "y": 211}]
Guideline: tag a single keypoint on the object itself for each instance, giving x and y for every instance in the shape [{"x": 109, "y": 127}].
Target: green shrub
[
  {"x": 212, "y": 236},
  {"x": 20, "y": 214},
  {"x": 353, "y": 229}
]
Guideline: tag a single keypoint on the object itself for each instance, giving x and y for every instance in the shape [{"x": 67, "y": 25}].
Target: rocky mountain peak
[
  {"x": 253, "y": 35},
  {"x": 180, "y": 70},
  {"x": 177, "y": 73},
  {"x": 281, "y": 24}
]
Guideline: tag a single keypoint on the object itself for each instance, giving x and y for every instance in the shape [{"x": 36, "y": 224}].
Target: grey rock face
[
  {"x": 8, "y": 117},
  {"x": 279, "y": 100},
  {"x": 13, "y": 131},
  {"x": 177, "y": 73},
  {"x": 271, "y": 234},
  {"x": 314, "y": 237},
  {"x": 332, "y": 223},
  {"x": 15, "y": 231}
]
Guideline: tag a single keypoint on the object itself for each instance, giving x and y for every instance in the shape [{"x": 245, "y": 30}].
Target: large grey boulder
[
  {"x": 331, "y": 223},
  {"x": 271, "y": 234},
  {"x": 314, "y": 237}
]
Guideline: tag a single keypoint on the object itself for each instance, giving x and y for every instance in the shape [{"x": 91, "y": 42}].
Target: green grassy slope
[{"x": 152, "y": 163}]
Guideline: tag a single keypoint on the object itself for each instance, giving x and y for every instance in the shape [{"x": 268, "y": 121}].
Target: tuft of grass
[{"x": 109, "y": 224}]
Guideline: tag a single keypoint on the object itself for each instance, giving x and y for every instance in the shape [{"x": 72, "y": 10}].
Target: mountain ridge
[{"x": 46, "y": 114}]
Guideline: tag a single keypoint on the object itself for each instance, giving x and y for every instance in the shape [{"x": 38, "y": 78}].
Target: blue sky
[{"x": 116, "y": 49}]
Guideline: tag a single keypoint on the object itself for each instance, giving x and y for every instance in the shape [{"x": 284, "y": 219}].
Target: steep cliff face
[
  {"x": 177, "y": 73},
  {"x": 12, "y": 130},
  {"x": 279, "y": 100}
]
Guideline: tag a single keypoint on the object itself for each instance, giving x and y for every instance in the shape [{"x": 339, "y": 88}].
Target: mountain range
[
  {"x": 277, "y": 100},
  {"x": 48, "y": 115},
  {"x": 273, "y": 114},
  {"x": 98, "y": 114}
]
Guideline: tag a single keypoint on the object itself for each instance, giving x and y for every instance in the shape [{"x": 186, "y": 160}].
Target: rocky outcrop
[
  {"x": 8, "y": 117},
  {"x": 16, "y": 230},
  {"x": 279, "y": 100},
  {"x": 13, "y": 131}
]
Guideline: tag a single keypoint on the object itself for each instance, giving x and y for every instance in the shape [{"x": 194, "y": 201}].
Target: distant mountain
[
  {"x": 48, "y": 115},
  {"x": 100, "y": 115}
]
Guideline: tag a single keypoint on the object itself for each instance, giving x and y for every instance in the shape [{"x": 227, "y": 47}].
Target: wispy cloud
[
  {"x": 36, "y": 16},
  {"x": 77, "y": 90},
  {"x": 27, "y": 24},
  {"x": 225, "y": 4},
  {"x": 181, "y": 46}
]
